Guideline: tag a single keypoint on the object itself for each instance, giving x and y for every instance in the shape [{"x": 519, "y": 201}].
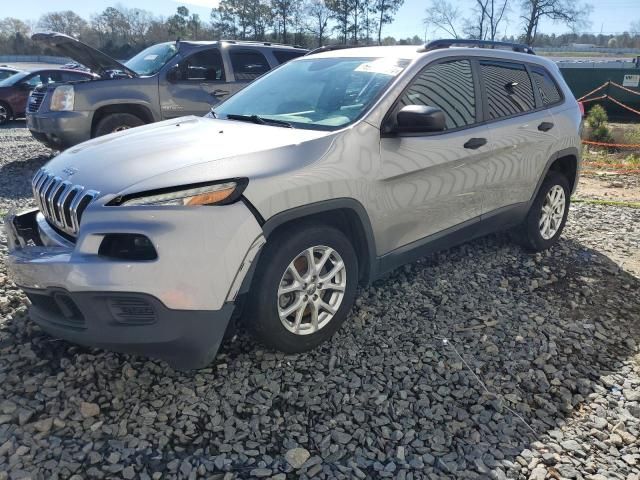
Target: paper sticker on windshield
[
  {"x": 382, "y": 66},
  {"x": 151, "y": 57}
]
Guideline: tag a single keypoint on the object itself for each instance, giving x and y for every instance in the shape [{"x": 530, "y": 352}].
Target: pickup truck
[{"x": 164, "y": 81}]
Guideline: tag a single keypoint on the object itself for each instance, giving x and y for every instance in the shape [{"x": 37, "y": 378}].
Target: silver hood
[{"x": 184, "y": 151}]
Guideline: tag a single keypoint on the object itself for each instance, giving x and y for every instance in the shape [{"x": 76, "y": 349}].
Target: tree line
[
  {"x": 122, "y": 31},
  {"x": 488, "y": 19}
]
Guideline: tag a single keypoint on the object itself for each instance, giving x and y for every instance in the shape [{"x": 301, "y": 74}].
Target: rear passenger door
[
  {"x": 521, "y": 133},
  {"x": 247, "y": 64},
  {"x": 196, "y": 84},
  {"x": 434, "y": 181}
]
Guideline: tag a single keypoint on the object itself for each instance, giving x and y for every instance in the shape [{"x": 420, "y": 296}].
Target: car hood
[
  {"x": 180, "y": 152},
  {"x": 97, "y": 61}
]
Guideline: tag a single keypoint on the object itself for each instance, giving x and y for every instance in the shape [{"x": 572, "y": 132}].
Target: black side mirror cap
[{"x": 420, "y": 119}]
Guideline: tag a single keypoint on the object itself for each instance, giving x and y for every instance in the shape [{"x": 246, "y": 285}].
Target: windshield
[
  {"x": 319, "y": 94},
  {"x": 152, "y": 59},
  {"x": 13, "y": 79},
  {"x": 6, "y": 73}
]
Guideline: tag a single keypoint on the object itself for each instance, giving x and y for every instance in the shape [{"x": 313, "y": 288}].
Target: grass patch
[{"x": 610, "y": 203}]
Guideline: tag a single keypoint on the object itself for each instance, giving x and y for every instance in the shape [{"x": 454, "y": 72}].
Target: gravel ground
[{"x": 480, "y": 362}]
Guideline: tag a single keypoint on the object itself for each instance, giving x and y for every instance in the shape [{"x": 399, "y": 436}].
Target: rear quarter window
[
  {"x": 508, "y": 89},
  {"x": 546, "y": 86},
  {"x": 283, "y": 56},
  {"x": 248, "y": 64}
]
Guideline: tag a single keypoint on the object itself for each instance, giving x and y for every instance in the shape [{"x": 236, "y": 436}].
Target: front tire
[
  {"x": 547, "y": 216},
  {"x": 116, "y": 122},
  {"x": 305, "y": 286},
  {"x": 5, "y": 113}
]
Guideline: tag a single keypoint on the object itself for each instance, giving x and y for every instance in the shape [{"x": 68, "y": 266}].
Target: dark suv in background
[
  {"x": 164, "y": 81},
  {"x": 15, "y": 89}
]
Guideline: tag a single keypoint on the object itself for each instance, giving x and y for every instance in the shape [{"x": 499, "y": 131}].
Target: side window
[
  {"x": 447, "y": 86},
  {"x": 36, "y": 79},
  {"x": 73, "y": 76},
  {"x": 546, "y": 86},
  {"x": 508, "y": 89},
  {"x": 283, "y": 56},
  {"x": 248, "y": 64},
  {"x": 204, "y": 66}
]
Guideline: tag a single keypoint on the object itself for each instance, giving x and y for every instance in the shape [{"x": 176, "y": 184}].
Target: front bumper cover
[{"x": 169, "y": 308}]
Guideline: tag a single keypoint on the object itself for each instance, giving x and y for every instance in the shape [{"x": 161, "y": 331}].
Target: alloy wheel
[
  {"x": 552, "y": 212},
  {"x": 311, "y": 290},
  {"x": 4, "y": 114}
]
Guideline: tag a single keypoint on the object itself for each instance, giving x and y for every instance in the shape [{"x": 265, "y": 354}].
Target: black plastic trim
[
  {"x": 326, "y": 206},
  {"x": 186, "y": 339}
]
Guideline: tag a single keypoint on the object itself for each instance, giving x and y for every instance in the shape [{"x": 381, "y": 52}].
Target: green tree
[{"x": 598, "y": 124}]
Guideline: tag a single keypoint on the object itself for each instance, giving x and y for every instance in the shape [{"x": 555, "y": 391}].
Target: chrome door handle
[{"x": 219, "y": 93}]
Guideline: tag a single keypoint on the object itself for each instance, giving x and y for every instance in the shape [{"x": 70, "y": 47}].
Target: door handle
[
  {"x": 474, "y": 143},
  {"x": 545, "y": 126},
  {"x": 219, "y": 93}
]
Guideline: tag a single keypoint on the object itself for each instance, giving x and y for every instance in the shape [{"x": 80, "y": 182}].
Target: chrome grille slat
[{"x": 60, "y": 201}]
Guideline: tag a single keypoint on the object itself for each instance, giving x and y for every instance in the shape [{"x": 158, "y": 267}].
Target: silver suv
[{"x": 326, "y": 173}]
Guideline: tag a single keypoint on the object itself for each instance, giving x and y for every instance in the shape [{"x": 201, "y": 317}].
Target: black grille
[
  {"x": 131, "y": 310},
  {"x": 58, "y": 306}
]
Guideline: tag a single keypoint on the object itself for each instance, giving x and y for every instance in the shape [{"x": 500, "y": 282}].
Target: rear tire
[
  {"x": 311, "y": 295},
  {"x": 547, "y": 216},
  {"x": 5, "y": 113},
  {"x": 116, "y": 122}
]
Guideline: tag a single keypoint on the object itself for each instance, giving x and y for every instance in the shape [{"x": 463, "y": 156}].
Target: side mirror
[
  {"x": 420, "y": 119},
  {"x": 174, "y": 75}
]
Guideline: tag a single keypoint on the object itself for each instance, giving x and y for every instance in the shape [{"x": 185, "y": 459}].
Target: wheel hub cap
[
  {"x": 552, "y": 212},
  {"x": 311, "y": 290}
]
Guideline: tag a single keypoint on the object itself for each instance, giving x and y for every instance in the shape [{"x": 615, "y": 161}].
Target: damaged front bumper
[{"x": 175, "y": 308}]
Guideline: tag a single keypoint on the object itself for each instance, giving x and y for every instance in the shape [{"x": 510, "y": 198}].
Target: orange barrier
[{"x": 612, "y": 145}]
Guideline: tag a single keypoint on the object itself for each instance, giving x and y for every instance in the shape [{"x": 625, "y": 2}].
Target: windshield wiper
[{"x": 259, "y": 120}]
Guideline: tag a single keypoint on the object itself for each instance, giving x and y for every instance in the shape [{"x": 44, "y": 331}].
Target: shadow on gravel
[{"x": 396, "y": 393}]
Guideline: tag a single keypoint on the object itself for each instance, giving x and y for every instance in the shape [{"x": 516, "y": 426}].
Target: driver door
[
  {"x": 193, "y": 86},
  {"x": 434, "y": 181}
]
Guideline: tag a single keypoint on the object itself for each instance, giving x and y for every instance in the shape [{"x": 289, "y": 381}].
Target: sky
[{"x": 608, "y": 16}]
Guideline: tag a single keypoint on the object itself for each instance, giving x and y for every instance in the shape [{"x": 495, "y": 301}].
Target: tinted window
[
  {"x": 549, "y": 92},
  {"x": 283, "y": 56},
  {"x": 203, "y": 66},
  {"x": 508, "y": 88},
  {"x": 6, "y": 74},
  {"x": 42, "y": 77},
  {"x": 447, "y": 86},
  {"x": 73, "y": 76},
  {"x": 248, "y": 64}
]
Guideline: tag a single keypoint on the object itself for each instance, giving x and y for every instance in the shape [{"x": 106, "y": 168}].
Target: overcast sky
[{"x": 608, "y": 16}]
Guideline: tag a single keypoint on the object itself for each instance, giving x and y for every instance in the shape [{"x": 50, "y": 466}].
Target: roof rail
[
  {"x": 260, "y": 42},
  {"x": 330, "y": 48},
  {"x": 450, "y": 42}
]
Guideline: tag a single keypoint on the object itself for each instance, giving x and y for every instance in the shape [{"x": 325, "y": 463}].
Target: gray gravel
[{"x": 480, "y": 362}]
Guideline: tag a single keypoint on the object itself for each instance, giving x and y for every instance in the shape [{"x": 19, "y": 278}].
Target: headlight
[
  {"x": 62, "y": 99},
  {"x": 194, "y": 195}
]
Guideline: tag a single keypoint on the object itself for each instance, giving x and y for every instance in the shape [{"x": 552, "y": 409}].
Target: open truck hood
[{"x": 97, "y": 61}]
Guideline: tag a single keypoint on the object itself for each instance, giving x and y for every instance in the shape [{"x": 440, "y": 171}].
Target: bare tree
[
  {"x": 634, "y": 28},
  {"x": 488, "y": 14},
  {"x": 319, "y": 15},
  {"x": 444, "y": 15},
  {"x": 67, "y": 22},
  {"x": 570, "y": 12}
]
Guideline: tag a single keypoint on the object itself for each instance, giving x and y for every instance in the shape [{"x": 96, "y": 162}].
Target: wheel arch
[
  {"x": 567, "y": 162},
  {"x": 143, "y": 112},
  {"x": 346, "y": 214}
]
